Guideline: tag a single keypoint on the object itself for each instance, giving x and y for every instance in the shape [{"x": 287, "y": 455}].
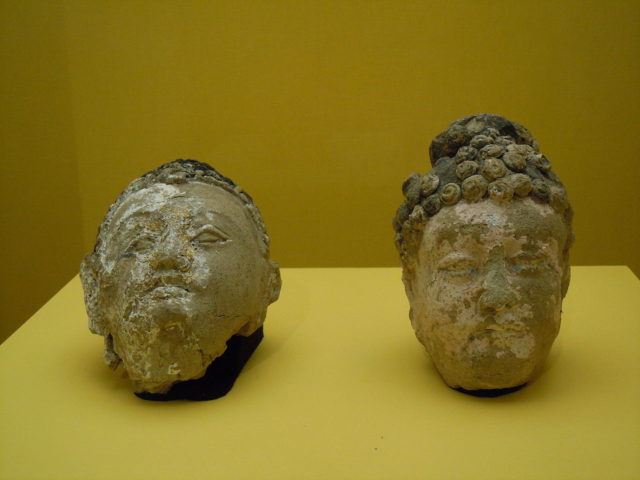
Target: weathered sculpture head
[
  {"x": 484, "y": 241},
  {"x": 181, "y": 264}
]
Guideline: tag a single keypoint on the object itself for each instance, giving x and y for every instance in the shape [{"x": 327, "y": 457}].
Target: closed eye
[
  {"x": 456, "y": 265},
  {"x": 210, "y": 236},
  {"x": 140, "y": 244},
  {"x": 528, "y": 262}
]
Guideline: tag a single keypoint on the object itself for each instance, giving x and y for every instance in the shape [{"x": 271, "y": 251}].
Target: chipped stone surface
[
  {"x": 181, "y": 264},
  {"x": 486, "y": 274}
]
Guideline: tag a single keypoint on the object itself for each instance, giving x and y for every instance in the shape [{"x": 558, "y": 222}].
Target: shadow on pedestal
[{"x": 497, "y": 392}]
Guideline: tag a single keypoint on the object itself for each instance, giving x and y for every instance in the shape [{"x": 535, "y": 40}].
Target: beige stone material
[
  {"x": 486, "y": 274},
  {"x": 181, "y": 264}
]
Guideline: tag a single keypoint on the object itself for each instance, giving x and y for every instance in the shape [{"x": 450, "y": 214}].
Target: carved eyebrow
[
  {"x": 215, "y": 219},
  {"x": 530, "y": 253},
  {"x": 532, "y": 247},
  {"x": 221, "y": 215},
  {"x": 469, "y": 229}
]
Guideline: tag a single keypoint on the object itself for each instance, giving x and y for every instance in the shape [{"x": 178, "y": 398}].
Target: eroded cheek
[
  {"x": 541, "y": 292},
  {"x": 200, "y": 273},
  {"x": 546, "y": 313},
  {"x": 453, "y": 301},
  {"x": 552, "y": 265},
  {"x": 447, "y": 322},
  {"x": 135, "y": 275},
  {"x": 125, "y": 285}
]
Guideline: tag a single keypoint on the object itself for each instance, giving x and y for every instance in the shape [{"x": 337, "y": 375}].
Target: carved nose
[
  {"x": 171, "y": 261},
  {"x": 168, "y": 262},
  {"x": 498, "y": 294}
]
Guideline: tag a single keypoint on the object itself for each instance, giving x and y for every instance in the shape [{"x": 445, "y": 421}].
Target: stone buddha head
[
  {"x": 180, "y": 265},
  {"x": 484, "y": 242}
]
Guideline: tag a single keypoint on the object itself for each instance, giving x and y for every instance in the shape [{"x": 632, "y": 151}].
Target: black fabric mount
[{"x": 220, "y": 376}]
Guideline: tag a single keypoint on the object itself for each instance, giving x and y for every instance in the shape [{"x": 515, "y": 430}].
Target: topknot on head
[
  {"x": 478, "y": 157},
  {"x": 477, "y": 131}
]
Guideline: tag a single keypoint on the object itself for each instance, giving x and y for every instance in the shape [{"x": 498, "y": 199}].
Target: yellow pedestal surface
[{"x": 338, "y": 389}]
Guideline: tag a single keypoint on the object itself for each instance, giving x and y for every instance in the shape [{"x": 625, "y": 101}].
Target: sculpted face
[
  {"x": 484, "y": 240},
  {"x": 487, "y": 291},
  {"x": 182, "y": 272}
]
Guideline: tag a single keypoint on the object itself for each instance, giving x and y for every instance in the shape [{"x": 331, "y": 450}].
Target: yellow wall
[
  {"x": 40, "y": 221},
  {"x": 320, "y": 109}
]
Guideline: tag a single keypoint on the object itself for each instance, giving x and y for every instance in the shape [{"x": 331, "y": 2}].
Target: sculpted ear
[
  {"x": 274, "y": 282},
  {"x": 566, "y": 273},
  {"x": 89, "y": 276},
  {"x": 566, "y": 278}
]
